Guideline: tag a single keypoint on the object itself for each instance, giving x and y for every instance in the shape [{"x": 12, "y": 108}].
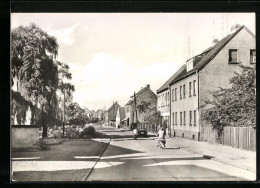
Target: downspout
[
  {"x": 198, "y": 107},
  {"x": 169, "y": 87}
]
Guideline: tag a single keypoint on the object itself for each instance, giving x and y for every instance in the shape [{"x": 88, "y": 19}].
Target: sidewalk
[{"x": 226, "y": 154}]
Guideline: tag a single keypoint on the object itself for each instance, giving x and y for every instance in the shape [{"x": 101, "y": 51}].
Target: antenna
[
  {"x": 227, "y": 23},
  {"x": 189, "y": 46},
  {"x": 222, "y": 23},
  {"x": 213, "y": 29}
]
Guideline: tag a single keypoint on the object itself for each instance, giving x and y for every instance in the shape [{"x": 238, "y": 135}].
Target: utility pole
[
  {"x": 63, "y": 127},
  {"x": 113, "y": 113},
  {"x": 135, "y": 108}
]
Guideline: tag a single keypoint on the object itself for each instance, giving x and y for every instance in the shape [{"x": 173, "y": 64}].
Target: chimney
[
  {"x": 148, "y": 86},
  {"x": 215, "y": 41},
  {"x": 234, "y": 28}
]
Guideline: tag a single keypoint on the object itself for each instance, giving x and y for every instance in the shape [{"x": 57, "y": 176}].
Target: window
[
  {"x": 194, "y": 87},
  {"x": 194, "y": 117},
  {"x": 184, "y": 118},
  {"x": 180, "y": 92},
  {"x": 168, "y": 98},
  {"x": 165, "y": 99},
  {"x": 233, "y": 56},
  {"x": 252, "y": 56},
  {"x": 172, "y": 94},
  {"x": 175, "y": 94},
  {"x": 175, "y": 118},
  {"x": 190, "y": 89},
  {"x": 190, "y": 117},
  {"x": 184, "y": 91},
  {"x": 180, "y": 118}
]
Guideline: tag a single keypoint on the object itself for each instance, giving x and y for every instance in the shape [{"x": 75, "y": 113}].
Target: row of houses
[
  {"x": 181, "y": 97},
  {"x": 128, "y": 115}
]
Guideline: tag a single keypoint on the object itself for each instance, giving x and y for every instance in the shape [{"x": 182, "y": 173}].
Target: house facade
[
  {"x": 164, "y": 103},
  {"x": 111, "y": 114},
  {"x": 120, "y": 116},
  {"x": 144, "y": 94},
  {"x": 206, "y": 72}
]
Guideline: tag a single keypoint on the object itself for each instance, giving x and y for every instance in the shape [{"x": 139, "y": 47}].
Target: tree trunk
[{"x": 45, "y": 124}]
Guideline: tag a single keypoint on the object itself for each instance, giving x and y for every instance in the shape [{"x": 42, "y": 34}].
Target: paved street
[{"x": 124, "y": 159}]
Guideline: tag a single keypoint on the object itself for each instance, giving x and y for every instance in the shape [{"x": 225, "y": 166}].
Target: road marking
[
  {"x": 86, "y": 157},
  {"x": 107, "y": 164},
  {"x": 26, "y": 158},
  {"x": 50, "y": 165}
]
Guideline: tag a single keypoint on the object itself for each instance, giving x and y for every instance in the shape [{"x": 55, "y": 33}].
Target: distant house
[
  {"x": 120, "y": 116},
  {"x": 144, "y": 94},
  {"x": 88, "y": 112},
  {"x": 111, "y": 114},
  {"x": 100, "y": 114}
]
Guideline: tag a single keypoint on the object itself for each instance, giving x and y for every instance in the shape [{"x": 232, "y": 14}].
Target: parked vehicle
[{"x": 140, "y": 132}]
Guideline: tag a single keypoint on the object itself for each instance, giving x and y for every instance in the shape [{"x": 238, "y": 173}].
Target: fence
[
  {"x": 149, "y": 127},
  {"x": 237, "y": 137}
]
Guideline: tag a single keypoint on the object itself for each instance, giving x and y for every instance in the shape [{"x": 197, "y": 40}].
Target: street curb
[
  {"x": 218, "y": 160},
  {"x": 84, "y": 178}
]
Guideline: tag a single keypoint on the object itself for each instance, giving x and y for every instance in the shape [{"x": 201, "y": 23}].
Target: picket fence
[{"x": 237, "y": 137}]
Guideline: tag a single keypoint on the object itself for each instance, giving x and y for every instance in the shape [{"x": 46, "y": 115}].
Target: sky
[{"x": 113, "y": 55}]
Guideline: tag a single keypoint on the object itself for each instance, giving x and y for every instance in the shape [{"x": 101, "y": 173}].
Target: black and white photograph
[{"x": 130, "y": 97}]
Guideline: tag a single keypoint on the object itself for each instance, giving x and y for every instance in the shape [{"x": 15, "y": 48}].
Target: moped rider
[{"x": 161, "y": 137}]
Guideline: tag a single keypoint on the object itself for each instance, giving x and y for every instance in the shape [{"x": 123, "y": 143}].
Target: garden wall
[{"x": 25, "y": 136}]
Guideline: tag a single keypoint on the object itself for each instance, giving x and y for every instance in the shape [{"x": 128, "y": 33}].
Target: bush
[{"x": 87, "y": 131}]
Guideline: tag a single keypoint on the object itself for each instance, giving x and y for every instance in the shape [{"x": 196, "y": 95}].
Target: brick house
[
  {"x": 144, "y": 94},
  {"x": 207, "y": 72},
  {"x": 111, "y": 114}
]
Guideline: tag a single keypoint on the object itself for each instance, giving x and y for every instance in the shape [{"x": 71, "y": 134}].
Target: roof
[
  {"x": 113, "y": 105},
  {"x": 86, "y": 109},
  {"x": 207, "y": 55},
  {"x": 166, "y": 84},
  {"x": 136, "y": 95}
]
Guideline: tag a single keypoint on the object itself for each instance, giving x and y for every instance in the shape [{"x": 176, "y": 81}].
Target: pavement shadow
[{"x": 157, "y": 169}]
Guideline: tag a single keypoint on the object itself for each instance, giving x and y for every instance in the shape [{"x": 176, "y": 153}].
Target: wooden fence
[{"x": 237, "y": 137}]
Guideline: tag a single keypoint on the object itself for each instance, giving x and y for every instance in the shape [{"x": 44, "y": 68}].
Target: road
[
  {"x": 126, "y": 159},
  {"x": 122, "y": 159}
]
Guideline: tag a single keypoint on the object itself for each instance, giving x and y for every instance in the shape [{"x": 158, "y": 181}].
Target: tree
[
  {"x": 65, "y": 88},
  {"x": 151, "y": 115},
  {"x": 77, "y": 115},
  {"x": 34, "y": 70},
  {"x": 235, "y": 106}
]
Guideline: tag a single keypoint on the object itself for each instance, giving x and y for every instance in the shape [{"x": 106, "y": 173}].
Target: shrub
[{"x": 88, "y": 131}]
